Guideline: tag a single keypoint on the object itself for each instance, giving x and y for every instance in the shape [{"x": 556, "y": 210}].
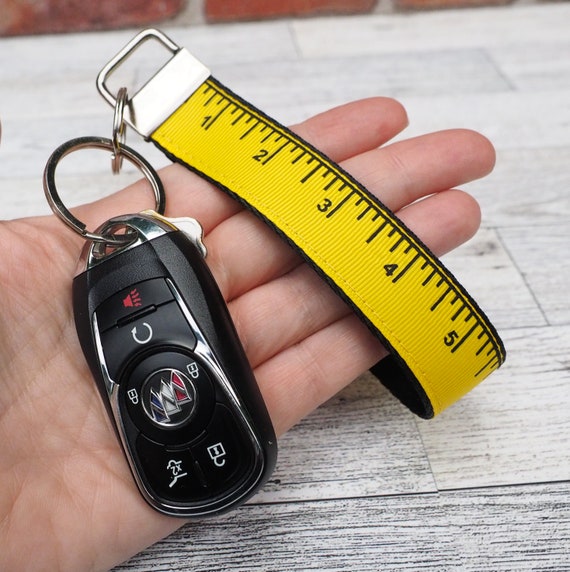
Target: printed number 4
[{"x": 390, "y": 269}]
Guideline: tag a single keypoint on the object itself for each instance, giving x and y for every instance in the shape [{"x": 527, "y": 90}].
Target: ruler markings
[
  {"x": 239, "y": 117},
  {"x": 276, "y": 152},
  {"x": 209, "y": 120},
  {"x": 208, "y": 101},
  {"x": 331, "y": 183},
  {"x": 311, "y": 172},
  {"x": 377, "y": 211},
  {"x": 299, "y": 157},
  {"x": 456, "y": 315},
  {"x": 364, "y": 213},
  {"x": 440, "y": 299},
  {"x": 339, "y": 205},
  {"x": 376, "y": 232},
  {"x": 465, "y": 337},
  {"x": 484, "y": 345},
  {"x": 406, "y": 268},
  {"x": 250, "y": 129},
  {"x": 397, "y": 243}
]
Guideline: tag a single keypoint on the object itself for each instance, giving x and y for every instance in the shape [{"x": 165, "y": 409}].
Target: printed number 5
[{"x": 451, "y": 338}]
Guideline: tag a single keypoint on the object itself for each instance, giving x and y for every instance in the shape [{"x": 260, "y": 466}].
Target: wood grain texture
[
  {"x": 493, "y": 436},
  {"x": 365, "y": 431},
  {"x": 499, "y": 529},
  {"x": 361, "y": 484},
  {"x": 542, "y": 258}
]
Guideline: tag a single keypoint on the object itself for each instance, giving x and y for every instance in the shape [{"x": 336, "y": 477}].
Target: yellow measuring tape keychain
[{"x": 441, "y": 343}]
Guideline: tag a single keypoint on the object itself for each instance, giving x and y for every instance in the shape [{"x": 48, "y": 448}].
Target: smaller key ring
[
  {"x": 119, "y": 130},
  {"x": 63, "y": 212}
]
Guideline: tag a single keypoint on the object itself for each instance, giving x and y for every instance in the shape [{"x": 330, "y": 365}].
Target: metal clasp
[{"x": 165, "y": 91}]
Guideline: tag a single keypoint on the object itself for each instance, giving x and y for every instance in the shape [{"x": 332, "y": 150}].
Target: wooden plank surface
[
  {"x": 361, "y": 484},
  {"x": 488, "y": 530}
]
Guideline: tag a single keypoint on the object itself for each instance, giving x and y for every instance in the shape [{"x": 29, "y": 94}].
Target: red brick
[
  {"x": 435, "y": 4},
  {"x": 225, "y": 10},
  {"x": 51, "y": 16}
]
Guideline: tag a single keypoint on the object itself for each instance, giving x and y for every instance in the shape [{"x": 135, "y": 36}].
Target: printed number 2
[{"x": 261, "y": 154}]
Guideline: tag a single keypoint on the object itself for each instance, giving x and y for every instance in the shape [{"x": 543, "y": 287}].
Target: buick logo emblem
[{"x": 169, "y": 397}]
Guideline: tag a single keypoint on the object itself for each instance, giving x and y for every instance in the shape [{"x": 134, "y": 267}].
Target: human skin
[{"x": 67, "y": 499}]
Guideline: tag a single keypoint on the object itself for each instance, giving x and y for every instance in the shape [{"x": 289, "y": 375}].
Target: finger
[
  {"x": 443, "y": 221},
  {"x": 398, "y": 174},
  {"x": 315, "y": 369},
  {"x": 282, "y": 313},
  {"x": 354, "y": 128},
  {"x": 244, "y": 253},
  {"x": 406, "y": 171}
]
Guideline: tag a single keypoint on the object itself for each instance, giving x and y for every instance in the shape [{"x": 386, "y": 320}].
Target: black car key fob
[{"x": 168, "y": 362}]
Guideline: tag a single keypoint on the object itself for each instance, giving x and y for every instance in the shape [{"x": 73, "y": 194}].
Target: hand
[{"x": 67, "y": 499}]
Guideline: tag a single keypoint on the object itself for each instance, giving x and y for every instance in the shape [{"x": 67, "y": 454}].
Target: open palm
[{"x": 67, "y": 500}]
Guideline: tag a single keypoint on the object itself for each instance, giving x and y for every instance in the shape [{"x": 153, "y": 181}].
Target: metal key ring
[
  {"x": 119, "y": 130},
  {"x": 63, "y": 212}
]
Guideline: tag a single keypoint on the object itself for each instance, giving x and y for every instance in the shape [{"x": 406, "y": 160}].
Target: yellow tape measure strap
[{"x": 442, "y": 344}]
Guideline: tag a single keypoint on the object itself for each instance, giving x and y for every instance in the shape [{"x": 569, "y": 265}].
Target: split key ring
[{"x": 126, "y": 152}]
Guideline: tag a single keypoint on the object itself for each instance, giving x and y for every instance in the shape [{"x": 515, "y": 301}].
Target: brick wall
[{"x": 54, "y": 16}]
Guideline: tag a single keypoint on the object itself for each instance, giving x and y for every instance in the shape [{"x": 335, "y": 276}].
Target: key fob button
[
  {"x": 160, "y": 342},
  {"x": 132, "y": 300},
  {"x": 220, "y": 453},
  {"x": 172, "y": 473},
  {"x": 170, "y": 397},
  {"x": 163, "y": 325}
]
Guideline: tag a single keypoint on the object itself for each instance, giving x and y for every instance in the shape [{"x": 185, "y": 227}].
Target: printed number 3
[{"x": 325, "y": 205}]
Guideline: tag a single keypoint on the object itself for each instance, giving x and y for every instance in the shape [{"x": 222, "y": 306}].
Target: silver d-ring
[
  {"x": 63, "y": 212},
  {"x": 119, "y": 130}
]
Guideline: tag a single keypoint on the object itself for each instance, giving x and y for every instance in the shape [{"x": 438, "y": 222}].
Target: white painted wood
[
  {"x": 458, "y": 71},
  {"x": 485, "y": 269},
  {"x": 438, "y": 30},
  {"x": 542, "y": 257},
  {"x": 505, "y": 529},
  {"x": 540, "y": 66},
  {"x": 365, "y": 431},
  {"x": 362, "y": 484},
  {"x": 531, "y": 120},
  {"x": 529, "y": 187},
  {"x": 514, "y": 428}
]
